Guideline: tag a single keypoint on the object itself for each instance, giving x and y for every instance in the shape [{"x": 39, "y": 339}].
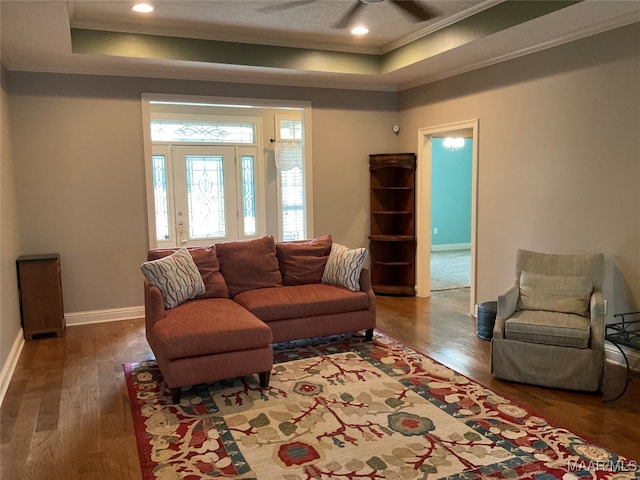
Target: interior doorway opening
[{"x": 424, "y": 224}]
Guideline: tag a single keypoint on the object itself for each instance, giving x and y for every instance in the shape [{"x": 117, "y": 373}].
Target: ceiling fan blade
[
  {"x": 285, "y": 6},
  {"x": 418, "y": 12},
  {"x": 349, "y": 16}
]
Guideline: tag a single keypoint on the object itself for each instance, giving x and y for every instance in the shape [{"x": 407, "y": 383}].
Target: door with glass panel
[{"x": 203, "y": 194}]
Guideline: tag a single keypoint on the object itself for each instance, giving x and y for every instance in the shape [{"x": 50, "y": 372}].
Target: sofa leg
[
  {"x": 175, "y": 395},
  {"x": 368, "y": 335},
  {"x": 264, "y": 379}
]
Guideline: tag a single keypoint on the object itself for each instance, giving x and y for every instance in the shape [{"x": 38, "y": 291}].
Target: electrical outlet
[{"x": 435, "y": 230}]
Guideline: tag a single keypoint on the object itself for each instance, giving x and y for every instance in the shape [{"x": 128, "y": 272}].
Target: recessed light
[
  {"x": 360, "y": 30},
  {"x": 142, "y": 8}
]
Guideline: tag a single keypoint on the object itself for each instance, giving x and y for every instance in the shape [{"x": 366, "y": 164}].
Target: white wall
[{"x": 559, "y": 151}]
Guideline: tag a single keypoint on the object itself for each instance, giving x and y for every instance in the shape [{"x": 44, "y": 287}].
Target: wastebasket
[{"x": 486, "y": 319}]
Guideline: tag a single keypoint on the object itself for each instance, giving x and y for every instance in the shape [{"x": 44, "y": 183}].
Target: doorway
[
  {"x": 266, "y": 195},
  {"x": 207, "y": 195},
  {"x": 424, "y": 224},
  {"x": 451, "y": 155}
]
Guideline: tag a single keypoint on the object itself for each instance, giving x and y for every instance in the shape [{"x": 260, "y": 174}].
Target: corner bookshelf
[{"x": 392, "y": 243}]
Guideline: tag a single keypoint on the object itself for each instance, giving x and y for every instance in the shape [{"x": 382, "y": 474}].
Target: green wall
[{"x": 451, "y": 193}]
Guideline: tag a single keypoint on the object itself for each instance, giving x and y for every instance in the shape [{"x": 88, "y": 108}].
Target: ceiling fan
[{"x": 413, "y": 8}]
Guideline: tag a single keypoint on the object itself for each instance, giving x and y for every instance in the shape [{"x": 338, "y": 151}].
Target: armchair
[{"x": 549, "y": 328}]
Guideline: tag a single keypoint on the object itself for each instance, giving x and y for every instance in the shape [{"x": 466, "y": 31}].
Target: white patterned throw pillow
[
  {"x": 176, "y": 276},
  {"x": 344, "y": 266}
]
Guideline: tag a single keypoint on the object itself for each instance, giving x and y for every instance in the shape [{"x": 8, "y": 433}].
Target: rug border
[{"x": 138, "y": 422}]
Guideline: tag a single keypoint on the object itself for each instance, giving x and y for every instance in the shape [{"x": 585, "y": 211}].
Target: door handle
[{"x": 181, "y": 232}]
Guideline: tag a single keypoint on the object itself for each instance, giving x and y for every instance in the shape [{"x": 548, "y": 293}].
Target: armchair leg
[{"x": 264, "y": 379}]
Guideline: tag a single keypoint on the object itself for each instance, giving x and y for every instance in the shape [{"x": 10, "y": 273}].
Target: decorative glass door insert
[{"x": 205, "y": 194}]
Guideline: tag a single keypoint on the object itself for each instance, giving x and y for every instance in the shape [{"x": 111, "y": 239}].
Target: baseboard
[
  {"x": 614, "y": 355},
  {"x": 10, "y": 364},
  {"x": 100, "y": 316},
  {"x": 451, "y": 246}
]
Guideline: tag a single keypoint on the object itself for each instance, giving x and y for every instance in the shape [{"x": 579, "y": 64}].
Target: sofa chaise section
[{"x": 206, "y": 340}]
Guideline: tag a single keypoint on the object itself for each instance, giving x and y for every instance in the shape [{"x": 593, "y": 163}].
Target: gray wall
[
  {"x": 80, "y": 171},
  {"x": 558, "y": 166},
  {"x": 559, "y": 156},
  {"x": 9, "y": 238}
]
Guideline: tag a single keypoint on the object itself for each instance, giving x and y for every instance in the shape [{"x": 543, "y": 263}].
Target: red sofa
[{"x": 257, "y": 292}]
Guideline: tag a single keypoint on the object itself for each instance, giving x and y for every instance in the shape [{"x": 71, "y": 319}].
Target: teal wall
[{"x": 451, "y": 193}]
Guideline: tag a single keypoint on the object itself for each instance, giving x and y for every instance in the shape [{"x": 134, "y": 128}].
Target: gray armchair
[{"x": 549, "y": 328}]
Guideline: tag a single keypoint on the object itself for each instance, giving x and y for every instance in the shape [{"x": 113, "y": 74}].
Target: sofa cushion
[
  {"x": 555, "y": 293},
  {"x": 344, "y": 266},
  {"x": 302, "y": 261},
  {"x": 550, "y": 328},
  {"x": 298, "y": 301},
  {"x": 206, "y": 260},
  {"x": 249, "y": 264},
  {"x": 207, "y": 326},
  {"x": 176, "y": 276}
]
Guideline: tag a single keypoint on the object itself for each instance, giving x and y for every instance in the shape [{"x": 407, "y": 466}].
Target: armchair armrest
[
  {"x": 507, "y": 303},
  {"x": 153, "y": 305},
  {"x": 596, "y": 313}
]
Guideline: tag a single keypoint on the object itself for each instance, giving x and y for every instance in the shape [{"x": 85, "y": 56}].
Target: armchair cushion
[
  {"x": 549, "y": 328},
  {"x": 555, "y": 293}
]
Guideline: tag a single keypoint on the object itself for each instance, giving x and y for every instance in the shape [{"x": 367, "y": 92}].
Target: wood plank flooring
[{"x": 66, "y": 414}]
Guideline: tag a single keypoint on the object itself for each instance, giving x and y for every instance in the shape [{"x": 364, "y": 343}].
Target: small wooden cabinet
[
  {"x": 40, "y": 290},
  {"x": 392, "y": 243}
]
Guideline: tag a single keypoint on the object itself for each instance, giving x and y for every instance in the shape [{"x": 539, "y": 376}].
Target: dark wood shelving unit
[{"x": 392, "y": 243}]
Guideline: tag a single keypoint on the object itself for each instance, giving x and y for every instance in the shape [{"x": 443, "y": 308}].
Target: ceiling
[{"x": 292, "y": 42}]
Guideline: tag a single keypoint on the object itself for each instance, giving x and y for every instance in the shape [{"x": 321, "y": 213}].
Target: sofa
[{"x": 213, "y": 312}]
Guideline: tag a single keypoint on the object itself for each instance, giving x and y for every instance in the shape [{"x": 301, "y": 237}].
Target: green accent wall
[{"x": 451, "y": 193}]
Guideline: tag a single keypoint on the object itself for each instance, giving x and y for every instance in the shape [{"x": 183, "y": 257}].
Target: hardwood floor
[{"x": 66, "y": 413}]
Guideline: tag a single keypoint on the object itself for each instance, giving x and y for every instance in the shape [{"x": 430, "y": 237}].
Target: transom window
[{"x": 201, "y": 131}]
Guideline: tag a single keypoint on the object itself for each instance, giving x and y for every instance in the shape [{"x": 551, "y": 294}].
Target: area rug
[{"x": 344, "y": 408}]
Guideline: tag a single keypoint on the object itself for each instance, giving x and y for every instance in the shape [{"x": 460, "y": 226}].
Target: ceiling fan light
[
  {"x": 142, "y": 8},
  {"x": 359, "y": 30}
]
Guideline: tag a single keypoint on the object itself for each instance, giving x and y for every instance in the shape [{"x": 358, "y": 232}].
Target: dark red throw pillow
[
  {"x": 249, "y": 264},
  {"x": 303, "y": 261}
]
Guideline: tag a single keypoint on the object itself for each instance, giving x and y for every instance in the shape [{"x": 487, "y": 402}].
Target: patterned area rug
[{"x": 342, "y": 408}]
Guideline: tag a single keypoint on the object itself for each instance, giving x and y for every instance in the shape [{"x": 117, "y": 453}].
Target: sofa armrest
[
  {"x": 507, "y": 303},
  {"x": 596, "y": 314},
  {"x": 153, "y": 304},
  {"x": 365, "y": 286}
]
